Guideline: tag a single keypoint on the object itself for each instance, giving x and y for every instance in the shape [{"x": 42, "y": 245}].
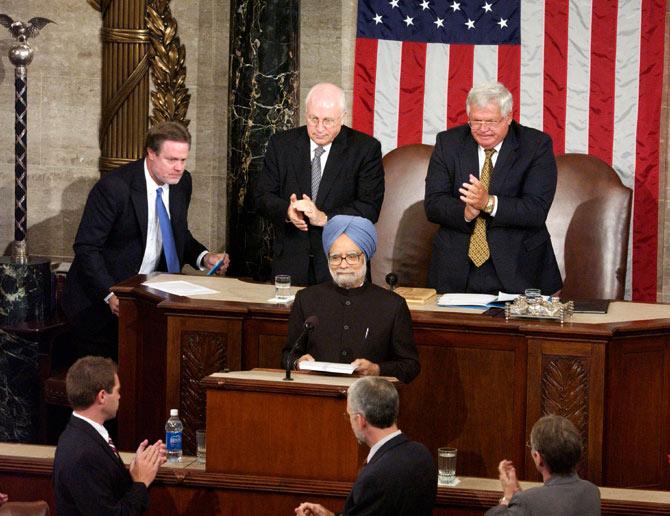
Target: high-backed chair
[
  {"x": 405, "y": 235},
  {"x": 589, "y": 224}
]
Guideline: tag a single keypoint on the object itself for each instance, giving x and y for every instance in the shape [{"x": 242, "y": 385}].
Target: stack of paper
[
  {"x": 475, "y": 299},
  {"x": 416, "y": 294},
  {"x": 327, "y": 367}
]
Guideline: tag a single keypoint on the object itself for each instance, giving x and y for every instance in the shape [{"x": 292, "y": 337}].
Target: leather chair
[
  {"x": 405, "y": 237},
  {"x": 589, "y": 223},
  {"x": 39, "y": 508}
]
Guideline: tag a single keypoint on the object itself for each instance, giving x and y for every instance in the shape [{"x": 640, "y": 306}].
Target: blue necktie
[{"x": 169, "y": 249}]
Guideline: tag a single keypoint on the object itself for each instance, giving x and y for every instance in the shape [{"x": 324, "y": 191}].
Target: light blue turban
[{"x": 359, "y": 229}]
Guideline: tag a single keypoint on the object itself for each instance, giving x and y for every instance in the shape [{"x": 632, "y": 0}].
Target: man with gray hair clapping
[
  {"x": 556, "y": 448},
  {"x": 399, "y": 477}
]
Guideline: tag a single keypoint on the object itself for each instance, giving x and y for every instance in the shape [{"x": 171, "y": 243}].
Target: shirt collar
[
  {"x": 381, "y": 443},
  {"x": 152, "y": 185},
  {"x": 98, "y": 427},
  {"x": 313, "y": 146},
  {"x": 496, "y": 147}
]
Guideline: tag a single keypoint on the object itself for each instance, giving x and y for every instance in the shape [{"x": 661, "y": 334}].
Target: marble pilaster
[
  {"x": 262, "y": 100},
  {"x": 19, "y": 388}
]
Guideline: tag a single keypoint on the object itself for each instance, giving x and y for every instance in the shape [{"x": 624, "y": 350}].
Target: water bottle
[{"x": 173, "y": 433}]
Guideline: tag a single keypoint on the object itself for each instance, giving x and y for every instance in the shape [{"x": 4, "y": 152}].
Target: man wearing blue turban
[{"x": 359, "y": 323}]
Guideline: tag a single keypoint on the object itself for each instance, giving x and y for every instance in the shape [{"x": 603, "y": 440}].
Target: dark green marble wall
[{"x": 263, "y": 100}]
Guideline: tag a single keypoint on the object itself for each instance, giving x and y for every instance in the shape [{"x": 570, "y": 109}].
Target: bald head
[{"x": 325, "y": 109}]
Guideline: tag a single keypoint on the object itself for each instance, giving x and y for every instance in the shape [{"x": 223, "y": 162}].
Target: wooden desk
[
  {"x": 187, "y": 489},
  {"x": 484, "y": 380}
]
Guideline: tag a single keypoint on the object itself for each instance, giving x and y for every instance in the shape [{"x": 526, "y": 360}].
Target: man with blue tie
[{"x": 135, "y": 221}]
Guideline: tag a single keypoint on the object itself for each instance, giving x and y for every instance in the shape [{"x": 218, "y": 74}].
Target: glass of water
[
  {"x": 200, "y": 440},
  {"x": 282, "y": 287},
  {"x": 446, "y": 465}
]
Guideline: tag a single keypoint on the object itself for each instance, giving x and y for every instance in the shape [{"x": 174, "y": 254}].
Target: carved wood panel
[
  {"x": 202, "y": 353},
  {"x": 565, "y": 392}
]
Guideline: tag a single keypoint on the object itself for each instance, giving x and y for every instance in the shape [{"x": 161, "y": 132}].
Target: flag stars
[
  {"x": 439, "y": 23},
  {"x": 377, "y": 19},
  {"x": 470, "y": 24},
  {"x": 409, "y": 21},
  {"x": 425, "y": 5},
  {"x": 487, "y": 7},
  {"x": 455, "y": 6},
  {"x": 502, "y": 23},
  {"x": 394, "y": 3}
]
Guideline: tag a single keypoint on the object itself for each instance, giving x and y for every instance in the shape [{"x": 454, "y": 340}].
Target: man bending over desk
[
  {"x": 399, "y": 476},
  {"x": 358, "y": 322}
]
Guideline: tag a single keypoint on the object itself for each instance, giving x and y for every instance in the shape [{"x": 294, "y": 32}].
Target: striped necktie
[
  {"x": 479, "y": 248},
  {"x": 316, "y": 171}
]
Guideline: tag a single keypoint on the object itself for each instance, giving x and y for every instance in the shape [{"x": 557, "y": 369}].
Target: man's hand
[
  {"x": 295, "y": 216},
  {"x": 365, "y": 367},
  {"x": 306, "y": 357},
  {"x": 113, "y": 303},
  {"x": 211, "y": 259},
  {"x": 3, "y": 498},
  {"x": 146, "y": 462},
  {"x": 508, "y": 480},
  {"x": 315, "y": 215},
  {"x": 312, "y": 509},
  {"x": 474, "y": 194}
]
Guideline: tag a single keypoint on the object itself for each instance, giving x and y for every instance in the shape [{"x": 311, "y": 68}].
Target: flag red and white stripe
[{"x": 587, "y": 72}]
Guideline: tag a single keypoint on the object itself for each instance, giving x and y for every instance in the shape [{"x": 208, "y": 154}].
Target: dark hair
[
  {"x": 376, "y": 399},
  {"x": 86, "y": 378},
  {"x": 559, "y": 443},
  {"x": 170, "y": 130}
]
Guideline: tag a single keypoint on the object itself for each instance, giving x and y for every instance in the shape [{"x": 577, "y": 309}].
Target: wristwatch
[{"x": 489, "y": 204}]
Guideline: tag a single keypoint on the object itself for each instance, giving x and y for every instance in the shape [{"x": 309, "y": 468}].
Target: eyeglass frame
[
  {"x": 328, "y": 123},
  {"x": 346, "y": 258},
  {"x": 485, "y": 124}
]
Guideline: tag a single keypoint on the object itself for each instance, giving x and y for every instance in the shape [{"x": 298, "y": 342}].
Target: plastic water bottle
[{"x": 173, "y": 433}]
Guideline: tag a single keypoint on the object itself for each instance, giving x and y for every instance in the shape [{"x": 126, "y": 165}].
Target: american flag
[{"x": 587, "y": 72}]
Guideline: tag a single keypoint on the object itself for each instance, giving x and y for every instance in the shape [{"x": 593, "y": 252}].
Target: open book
[{"x": 476, "y": 300}]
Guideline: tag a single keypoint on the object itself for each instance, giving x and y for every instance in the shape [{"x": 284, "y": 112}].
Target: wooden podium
[{"x": 258, "y": 424}]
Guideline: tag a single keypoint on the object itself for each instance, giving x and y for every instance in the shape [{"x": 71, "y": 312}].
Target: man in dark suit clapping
[
  {"x": 400, "y": 477},
  {"x": 312, "y": 173},
  {"x": 89, "y": 476}
]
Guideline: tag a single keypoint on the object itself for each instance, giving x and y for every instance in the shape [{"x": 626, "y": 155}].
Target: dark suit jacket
[
  {"x": 110, "y": 242},
  {"x": 367, "y": 322},
  {"x": 352, "y": 184},
  {"x": 524, "y": 179},
  {"x": 400, "y": 480},
  {"x": 559, "y": 496},
  {"x": 90, "y": 479}
]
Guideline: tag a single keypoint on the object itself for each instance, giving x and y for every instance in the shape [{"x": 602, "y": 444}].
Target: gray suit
[{"x": 559, "y": 496}]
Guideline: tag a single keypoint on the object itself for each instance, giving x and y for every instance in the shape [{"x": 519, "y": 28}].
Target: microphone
[
  {"x": 310, "y": 323},
  {"x": 392, "y": 280}
]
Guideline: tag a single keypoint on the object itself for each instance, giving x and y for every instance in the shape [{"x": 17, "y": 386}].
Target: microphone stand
[{"x": 309, "y": 326}]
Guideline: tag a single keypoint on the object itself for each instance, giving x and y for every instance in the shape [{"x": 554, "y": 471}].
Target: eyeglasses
[
  {"x": 350, "y": 258},
  {"x": 484, "y": 124},
  {"x": 328, "y": 123}
]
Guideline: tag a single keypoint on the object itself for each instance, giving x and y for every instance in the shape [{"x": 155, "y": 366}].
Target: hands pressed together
[
  {"x": 508, "y": 480},
  {"x": 312, "y": 509},
  {"x": 475, "y": 196},
  {"x": 298, "y": 209},
  {"x": 147, "y": 460}
]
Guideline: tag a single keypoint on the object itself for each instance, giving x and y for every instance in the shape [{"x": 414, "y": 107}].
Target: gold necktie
[{"x": 479, "y": 247}]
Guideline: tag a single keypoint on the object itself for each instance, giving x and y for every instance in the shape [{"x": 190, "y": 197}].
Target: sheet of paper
[
  {"x": 327, "y": 367},
  {"x": 283, "y": 301},
  {"x": 180, "y": 288},
  {"x": 465, "y": 299}
]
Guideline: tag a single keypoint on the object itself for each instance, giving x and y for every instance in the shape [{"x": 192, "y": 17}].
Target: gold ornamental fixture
[{"x": 171, "y": 98}]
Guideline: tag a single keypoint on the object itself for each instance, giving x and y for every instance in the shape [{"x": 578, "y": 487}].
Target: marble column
[
  {"x": 19, "y": 388},
  {"x": 262, "y": 100}
]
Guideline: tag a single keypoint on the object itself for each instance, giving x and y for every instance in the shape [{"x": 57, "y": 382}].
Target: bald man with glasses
[{"x": 311, "y": 174}]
